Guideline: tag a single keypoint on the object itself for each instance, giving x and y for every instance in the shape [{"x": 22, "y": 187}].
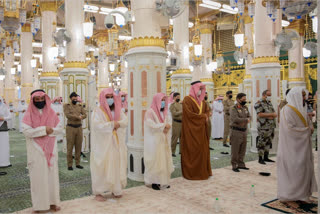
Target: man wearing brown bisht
[{"x": 195, "y": 154}]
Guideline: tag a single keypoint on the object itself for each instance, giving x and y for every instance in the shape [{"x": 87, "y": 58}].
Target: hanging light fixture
[
  {"x": 88, "y": 28},
  {"x": 269, "y": 7},
  {"x": 197, "y": 47},
  {"x": 23, "y": 16},
  {"x": 233, "y": 3},
  {"x": 251, "y": 8},
  {"x": 241, "y": 7},
  {"x": 315, "y": 24},
  {"x": 33, "y": 62},
  {"x": 239, "y": 36},
  {"x": 37, "y": 23},
  {"x": 112, "y": 67},
  {"x": 53, "y": 52},
  {"x": 1, "y": 14}
]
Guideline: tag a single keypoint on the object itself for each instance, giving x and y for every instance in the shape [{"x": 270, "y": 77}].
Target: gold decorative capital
[
  {"x": 49, "y": 6},
  {"x": 26, "y": 27},
  {"x": 12, "y": 14},
  {"x": 1, "y": 55},
  {"x": 248, "y": 76},
  {"x": 205, "y": 31},
  {"x": 182, "y": 71},
  {"x": 146, "y": 41},
  {"x": 144, "y": 103},
  {"x": 49, "y": 74},
  {"x": 266, "y": 59},
  {"x": 26, "y": 85},
  {"x": 298, "y": 25},
  {"x": 299, "y": 79},
  {"x": 206, "y": 80},
  {"x": 75, "y": 64}
]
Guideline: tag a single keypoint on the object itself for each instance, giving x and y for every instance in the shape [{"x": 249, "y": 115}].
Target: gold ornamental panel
[
  {"x": 266, "y": 59},
  {"x": 75, "y": 64},
  {"x": 206, "y": 80},
  {"x": 146, "y": 41},
  {"x": 182, "y": 71},
  {"x": 49, "y": 74},
  {"x": 49, "y": 6},
  {"x": 300, "y": 79},
  {"x": 27, "y": 85}
]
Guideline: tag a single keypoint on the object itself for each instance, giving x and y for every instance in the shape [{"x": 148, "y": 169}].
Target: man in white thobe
[
  {"x": 22, "y": 108},
  {"x": 12, "y": 122},
  {"x": 4, "y": 135},
  {"x": 157, "y": 144},
  {"x": 40, "y": 127},
  {"x": 295, "y": 164},
  {"x": 108, "y": 159},
  {"x": 217, "y": 118},
  {"x": 58, "y": 108}
]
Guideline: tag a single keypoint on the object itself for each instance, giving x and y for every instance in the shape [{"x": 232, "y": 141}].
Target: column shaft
[{"x": 26, "y": 69}]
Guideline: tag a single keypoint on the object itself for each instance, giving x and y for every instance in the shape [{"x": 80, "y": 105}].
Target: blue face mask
[
  {"x": 56, "y": 103},
  {"x": 0, "y": 103},
  {"x": 219, "y": 101},
  {"x": 122, "y": 99},
  {"x": 163, "y": 104},
  {"x": 110, "y": 101}
]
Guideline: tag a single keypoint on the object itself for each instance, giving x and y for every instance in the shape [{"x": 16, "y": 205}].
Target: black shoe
[
  {"x": 83, "y": 155},
  {"x": 266, "y": 158},
  {"x": 79, "y": 167},
  {"x": 173, "y": 155},
  {"x": 226, "y": 145},
  {"x": 261, "y": 161},
  {"x": 156, "y": 186},
  {"x": 72, "y": 157},
  {"x": 3, "y": 173},
  {"x": 236, "y": 170},
  {"x": 168, "y": 187},
  {"x": 211, "y": 148},
  {"x": 245, "y": 168},
  {"x": 70, "y": 168}
]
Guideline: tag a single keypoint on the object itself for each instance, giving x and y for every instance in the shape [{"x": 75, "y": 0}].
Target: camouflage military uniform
[{"x": 265, "y": 126}]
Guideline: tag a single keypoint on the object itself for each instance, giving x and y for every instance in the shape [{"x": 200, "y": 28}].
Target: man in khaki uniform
[
  {"x": 176, "y": 112},
  {"x": 75, "y": 113},
  {"x": 227, "y": 104},
  {"x": 239, "y": 119}
]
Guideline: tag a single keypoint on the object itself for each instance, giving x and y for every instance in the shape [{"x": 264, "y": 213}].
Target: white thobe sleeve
[
  {"x": 7, "y": 115},
  {"x": 100, "y": 125},
  {"x": 124, "y": 120},
  {"x": 30, "y": 132},
  {"x": 57, "y": 130},
  {"x": 154, "y": 127}
]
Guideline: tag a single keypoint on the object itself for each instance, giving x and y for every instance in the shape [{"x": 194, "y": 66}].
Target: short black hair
[
  {"x": 240, "y": 95},
  {"x": 287, "y": 91},
  {"x": 37, "y": 90},
  {"x": 228, "y": 92},
  {"x": 176, "y": 94},
  {"x": 195, "y": 82},
  {"x": 265, "y": 92},
  {"x": 73, "y": 94}
]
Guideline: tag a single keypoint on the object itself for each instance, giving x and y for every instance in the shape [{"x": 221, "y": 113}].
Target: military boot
[
  {"x": 266, "y": 157},
  {"x": 261, "y": 161}
]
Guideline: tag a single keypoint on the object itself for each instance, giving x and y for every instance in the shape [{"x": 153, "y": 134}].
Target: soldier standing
[
  {"x": 240, "y": 117},
  {"x": 176, "y": 113},
  {"x": 75, "y": 113},
  {"x": 266, "y": 124},
  {"x": 227, "y": 104}
]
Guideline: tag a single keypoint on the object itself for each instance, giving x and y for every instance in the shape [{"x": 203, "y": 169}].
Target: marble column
[
  {"x": 75, "y": 72},
  {"x": 124, "y": 77},
  {"x": 147, "y": 76},
  {"x": 103, "y": 63},
  {"x": 9, "y": 90},
  {"x": 26, "y": 56},
  {"x": 182, "y": 77},
  {"x": 1, "y": 81},
  {"x": 265, "y": 68},
  {"x": 49, "y": 79},
  {"x": 295, "y": 55},
  {"x": 206, "y": 75},
  {"x": 35, "y": 78}
]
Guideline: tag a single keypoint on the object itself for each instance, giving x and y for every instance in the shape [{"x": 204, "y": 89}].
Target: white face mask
[
  {"x": 268, "y": 99},
  {"x": 199, "y": 93}
]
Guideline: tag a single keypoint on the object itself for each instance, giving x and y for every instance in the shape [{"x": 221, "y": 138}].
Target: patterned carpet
[{"x": 15, "y": 186}]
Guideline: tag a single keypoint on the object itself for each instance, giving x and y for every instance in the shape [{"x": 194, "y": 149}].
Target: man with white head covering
[
  {"x": 157, "y": 144},
  {"x": 4, "y": 135},
  {"x": 108, "y": 159},
  {"x": 11, "y": 123},
  {"x": 22, "y": 108},
  {"x": 58, "y": 108},
  {"x": 217, "y": 118},
  {"x": 295, "y": 166},
  {"x": 195, "y": 154},
  {"x": 40, "y": 127}
]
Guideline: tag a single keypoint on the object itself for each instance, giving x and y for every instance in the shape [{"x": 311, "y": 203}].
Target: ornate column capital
[
  {"x": 206, "y": 28},
  {"x": 26, "y": 27},
  {"x": 298, "y": 25},
  {"x": 49, "y": 6}
]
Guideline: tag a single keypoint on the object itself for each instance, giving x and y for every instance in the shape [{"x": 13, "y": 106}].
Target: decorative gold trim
[
  {"x": 248, "y": 76},
  {"x": 1, "y": 55},
  {"x": 131, "y": 104},
  {"x": 75, "y": 64},
  {"x": 27, "y": 85},
  {"x": 144, "y": 103},
  {"x": 266, "y": 59},
  {"x": 205, "y": 31},
  {"x": 248, "y": 20},
  {"x": 293, "y": 65},
  {"x": 26, "y": 27},
  {"x": 49, "y": 6},
  {"x": 182, "y": 71},
  {"x": 206, "y": 80},
  {"x": 49, "y": 74},
  {"x": 299, "y": 79},
  {"x": 146, "y": 41},
  {"x": 12, "y": 14}
]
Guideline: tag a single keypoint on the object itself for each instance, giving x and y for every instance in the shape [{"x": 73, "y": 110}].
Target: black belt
[
  {"x": 74, "y": 125},
  {"x": 178, "y": 121},
  {"x": 239, "y": 129}
]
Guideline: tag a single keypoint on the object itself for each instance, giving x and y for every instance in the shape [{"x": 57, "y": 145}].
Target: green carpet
[{"x": 15, "y": 186}]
